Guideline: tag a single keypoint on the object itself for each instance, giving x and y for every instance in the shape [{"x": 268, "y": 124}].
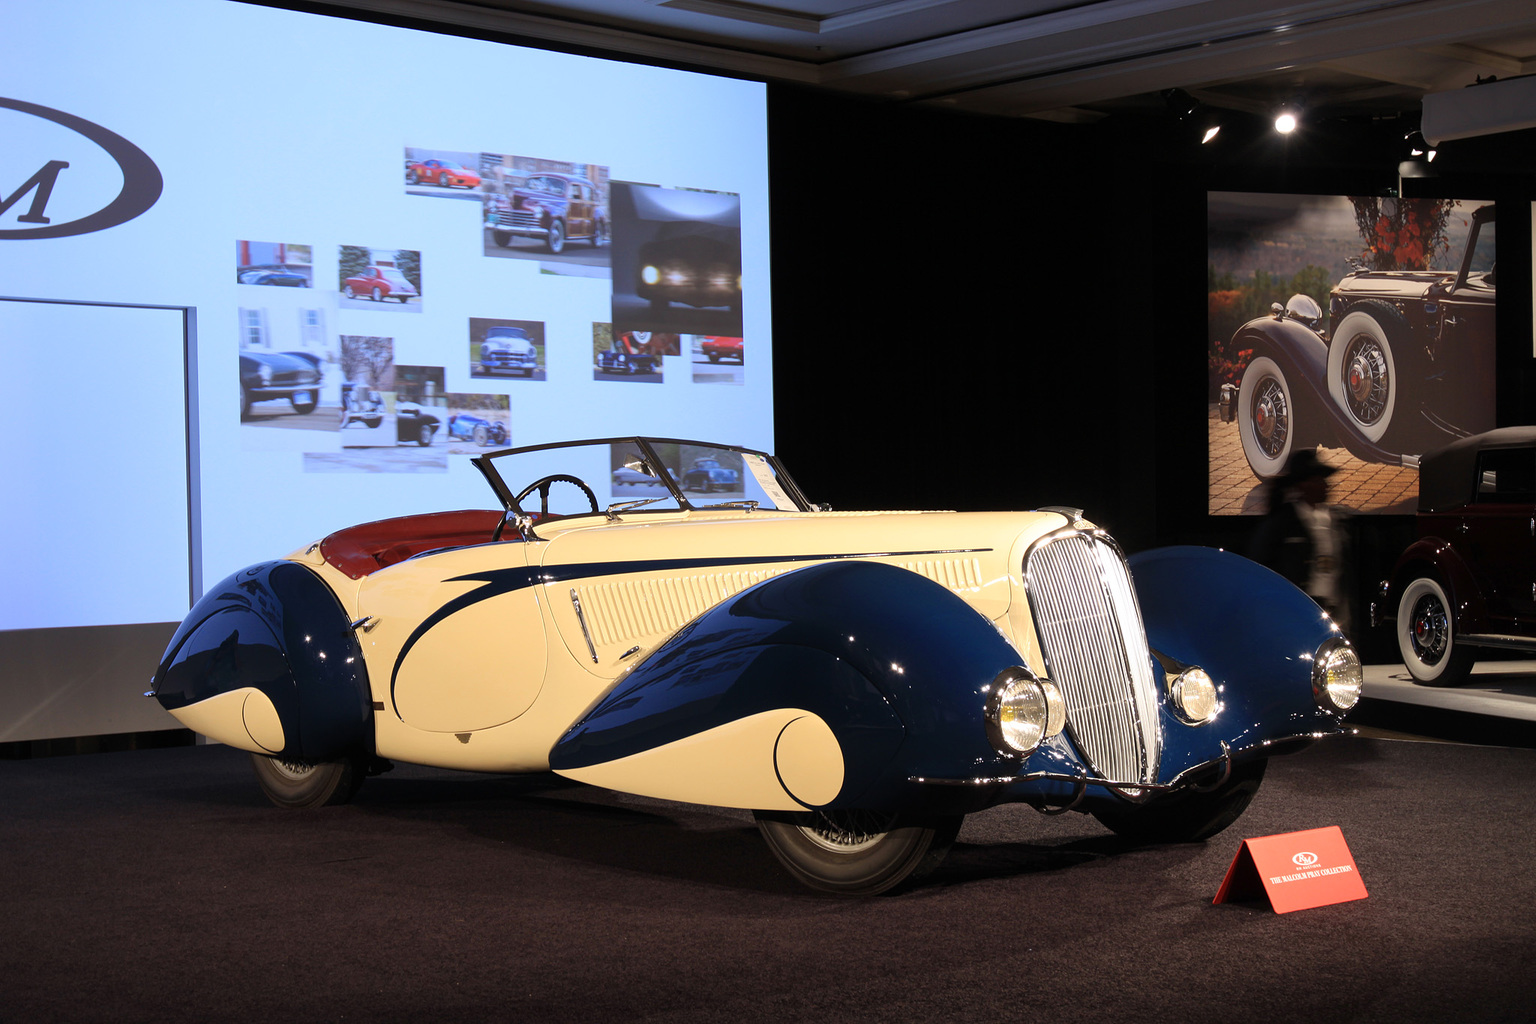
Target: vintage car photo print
[{"x": 1354, "y": 323}]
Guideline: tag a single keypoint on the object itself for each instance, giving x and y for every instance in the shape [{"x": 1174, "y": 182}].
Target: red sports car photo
[
  {"x": 378, "y": 284},
  {"x": 441, "y": 172}
]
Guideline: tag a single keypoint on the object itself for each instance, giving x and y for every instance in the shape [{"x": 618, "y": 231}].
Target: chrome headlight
[
  {"x": 1336, "y": 675},
  {"x": 1194, "y": 695},
  {"x": 1022, "y": 711},
  {"x": 650, "y": 274}
]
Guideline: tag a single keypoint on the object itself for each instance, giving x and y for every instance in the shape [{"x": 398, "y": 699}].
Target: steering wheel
[{"x": 543, "y": 484}]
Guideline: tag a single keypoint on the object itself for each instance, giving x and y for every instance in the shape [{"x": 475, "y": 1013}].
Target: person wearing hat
[{"x": 1299, "y": 537}]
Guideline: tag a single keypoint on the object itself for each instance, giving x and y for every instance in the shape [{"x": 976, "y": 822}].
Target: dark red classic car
[
  {"x": 378, "y": 284},
  {"x": 1469, "y": 581},
  {"x": 1406, "y": 366},
  {"x": 554, "y": 208}
]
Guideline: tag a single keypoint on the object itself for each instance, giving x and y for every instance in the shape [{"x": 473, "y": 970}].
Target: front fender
[
  {"x": 267, "y": 661},
  {"x": 1435, "y": 556},
  {"x": 832, "y": 685},
  {"x": 1252, "y": 630}
]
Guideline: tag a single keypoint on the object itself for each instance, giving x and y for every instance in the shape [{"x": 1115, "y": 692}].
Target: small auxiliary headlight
[
  {"x": 1194, "y": 694},
  {"x": 1336, "y": 675},
  {"x": 649, "y": 274},
  {"x": 1022, "y": 711}
]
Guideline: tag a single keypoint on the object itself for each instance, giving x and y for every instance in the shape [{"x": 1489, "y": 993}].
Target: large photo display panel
[
  {"x": 1360, "y": 327},
  {"x": 403, "y": 249}
]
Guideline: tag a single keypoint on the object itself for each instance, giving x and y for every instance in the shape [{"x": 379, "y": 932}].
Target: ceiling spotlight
[{"x": 1285, "y": 123}]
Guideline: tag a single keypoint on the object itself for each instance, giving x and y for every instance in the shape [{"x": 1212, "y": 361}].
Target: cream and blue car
[{"x": 859, "y": 680}]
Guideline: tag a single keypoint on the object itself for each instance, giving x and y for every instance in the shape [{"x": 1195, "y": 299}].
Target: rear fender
[
  {"x": 267, "y": 661},
  {"x": 829, "y": 686}
]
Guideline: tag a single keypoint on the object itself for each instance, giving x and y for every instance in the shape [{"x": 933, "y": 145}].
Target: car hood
[
  {"x": 278, "y": 360},
  {"x": 977, "y": 555},
  {"x": 1391, "y": 284}
]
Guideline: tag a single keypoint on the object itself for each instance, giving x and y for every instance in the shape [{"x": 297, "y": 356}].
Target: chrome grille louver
[{"x": 1096, "y": 652}]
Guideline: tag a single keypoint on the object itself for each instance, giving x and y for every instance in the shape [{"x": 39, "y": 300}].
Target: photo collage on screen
[{"x": 317, "y": 359}]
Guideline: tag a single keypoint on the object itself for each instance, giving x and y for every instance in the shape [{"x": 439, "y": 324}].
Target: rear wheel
[
  {"x": 856, "y": 853},
  {"x": 298, "y": 784},
  {"x": 1189, "y": 815}
]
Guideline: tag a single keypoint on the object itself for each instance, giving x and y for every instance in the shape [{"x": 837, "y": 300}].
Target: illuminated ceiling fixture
[
  {"x": 1192, "y": 112},
  {"x": 1285, "y": 122},
  {"x": 1417, "y": 147}
]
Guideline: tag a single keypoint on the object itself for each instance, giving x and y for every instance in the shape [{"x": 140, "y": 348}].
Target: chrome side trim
[
  {"x": 1516, "y": 643},
  {"x": 366, "y": 624},
  {"x": 1136, "y": 790},
  {"x": 586, "y": 634}
]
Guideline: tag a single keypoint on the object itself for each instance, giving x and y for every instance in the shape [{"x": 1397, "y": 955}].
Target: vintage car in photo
[
  {"x": 276, "y": 274},
  {"x": 553, "y": 208},
  {"x": 716, "y": 349},
  {"x": 378, "y": 284},
  {"x": 860, "y": 681},
  {"x": 1468, "y": 584},
  {"x": 463, "y": 427},
  {"x": 361, "y": 406},
  {"x": 266, "y": 376},
  {"x": 1403, "y": 365},
  {"x": 631, "y": 352},
  {"x": 415, "y": 424},
  {"x": 697, "y": 264},
  {"x": 708, "y": 475},
  {"x": 441, "y": 172},
  {"x": 508, "y": 349}
]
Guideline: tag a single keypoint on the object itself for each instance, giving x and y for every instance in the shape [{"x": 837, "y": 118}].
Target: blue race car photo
[
  {"x": 484, "y": 433},
  {"x": 859, "y": 681}
]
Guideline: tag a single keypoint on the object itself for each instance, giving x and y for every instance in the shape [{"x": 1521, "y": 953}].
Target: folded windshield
[{"x": 620, "y": 474}]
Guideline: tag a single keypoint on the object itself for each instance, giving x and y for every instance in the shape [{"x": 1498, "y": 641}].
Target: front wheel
[
  {"x": 856, "y": 853},
  {"x": 1266, "y": 417},
  {"x": 501, "y": 238},
  {"x": 1189, "y": 815},
  {"x": 298, "y": 784},
  {"x": 1426, "y": 636},
  {"x": 555, "y": 240}
]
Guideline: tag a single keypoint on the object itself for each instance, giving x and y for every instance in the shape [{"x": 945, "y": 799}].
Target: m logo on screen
[
  {"x": 1304, "y": 860},
  {"x": 62, "y": 175}
]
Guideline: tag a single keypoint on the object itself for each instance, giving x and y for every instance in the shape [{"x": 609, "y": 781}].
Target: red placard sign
[{"x": 1294, "y": 871}]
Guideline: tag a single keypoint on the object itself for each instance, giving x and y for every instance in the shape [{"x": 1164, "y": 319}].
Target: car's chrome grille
[
  {"x": 517, "y": 219},
  {"x": 1096, "y": 651}
]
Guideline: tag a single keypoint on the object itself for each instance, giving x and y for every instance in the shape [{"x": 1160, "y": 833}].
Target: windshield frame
[{"x": 486, "y": 464}]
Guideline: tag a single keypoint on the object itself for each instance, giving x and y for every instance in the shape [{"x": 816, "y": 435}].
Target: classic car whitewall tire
[
  {"x": 1189, "y": 815},
  {"x": 349, "y": 292},
  {"x": 555, "y": 240},
  {"x": 294, "y": 784},
  {"x": 856, "y": 853},
  {"x": 1266, "y": 417},
  {"x": 1426, "y": 636},
  {"x": 1362, "y": 375}
]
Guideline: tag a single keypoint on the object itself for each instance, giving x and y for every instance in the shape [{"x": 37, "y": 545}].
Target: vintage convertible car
[
  {"x": 1469, "y": 581},
  {"x": 380, "y": 283},
  {"x": 861, "y": 681},
  {"x": 1407, "y": 366},
  {"x": 265, "y": 376}
]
